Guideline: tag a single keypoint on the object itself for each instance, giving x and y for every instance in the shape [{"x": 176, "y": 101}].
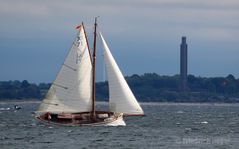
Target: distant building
[{"x": 183, "y": 64}]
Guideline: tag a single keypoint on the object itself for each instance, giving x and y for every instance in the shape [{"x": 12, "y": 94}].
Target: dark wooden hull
[{"x": 103, "y": 118}]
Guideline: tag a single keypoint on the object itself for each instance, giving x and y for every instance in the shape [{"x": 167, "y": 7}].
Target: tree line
[
  {"x": 22, "y": 90},
  {"x": 146, "y": 87},
  {"x": 154, "y": 87}
]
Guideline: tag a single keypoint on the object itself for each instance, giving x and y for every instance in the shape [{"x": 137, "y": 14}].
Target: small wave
[
  {"x": 180, "y": 112},
  {"x": 33, "y": 124},
  {"x": 18, "y": 138},
  {"x": 105, "y": 132},
  {"x": 4, "y": 138},
  {"x": 47, "y": 142},
  {"x": 22, "y": 125},
  {"x": 204, "y": 122},
  {"x": 99, "y": 140},
  {"x": 188, "y": 129},
  {"x": 69, "y": 131}
]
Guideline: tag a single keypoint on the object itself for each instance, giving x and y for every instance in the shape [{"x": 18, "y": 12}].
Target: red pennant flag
[{"x": 78, "y": 27}]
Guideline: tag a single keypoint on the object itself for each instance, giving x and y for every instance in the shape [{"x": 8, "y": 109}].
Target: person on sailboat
[{"x": 48, "y": 116}]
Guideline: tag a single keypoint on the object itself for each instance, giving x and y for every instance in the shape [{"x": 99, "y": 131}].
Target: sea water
[{"x": 165, "y": 126}]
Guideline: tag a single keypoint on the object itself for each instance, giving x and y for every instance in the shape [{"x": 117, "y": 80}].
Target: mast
[{"x": 94, "y": 72}]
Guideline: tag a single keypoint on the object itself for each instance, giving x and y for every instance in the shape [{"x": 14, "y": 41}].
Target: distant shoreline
[
  {"x": 189, "y": 104},
  {"x": 149, "y": 87},
  {"x": 36, "y": 101}
]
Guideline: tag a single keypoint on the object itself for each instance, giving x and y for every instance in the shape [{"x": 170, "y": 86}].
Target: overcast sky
[{"x": 143, "y": 35}]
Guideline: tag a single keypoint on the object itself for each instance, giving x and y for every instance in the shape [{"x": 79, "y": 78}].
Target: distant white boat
[
  {"x": 17, "y": 107},
  {"x": 71, "y": 98},
  {"x": 5, "y": 109}
]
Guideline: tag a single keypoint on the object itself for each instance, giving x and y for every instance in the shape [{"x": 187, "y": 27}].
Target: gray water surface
[{"x": 165, "y": 126}]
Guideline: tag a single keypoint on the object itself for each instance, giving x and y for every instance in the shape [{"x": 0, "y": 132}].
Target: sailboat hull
[{"x": 103, "y": 118}]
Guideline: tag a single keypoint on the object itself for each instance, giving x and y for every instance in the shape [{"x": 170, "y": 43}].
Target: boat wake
[{"x": 119, "y": 122}]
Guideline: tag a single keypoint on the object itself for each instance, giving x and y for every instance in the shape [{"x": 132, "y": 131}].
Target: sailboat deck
[{"x": 83, "y": 118}]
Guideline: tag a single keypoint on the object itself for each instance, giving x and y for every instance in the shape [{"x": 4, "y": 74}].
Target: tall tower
[{"x": 183, "y": 64}]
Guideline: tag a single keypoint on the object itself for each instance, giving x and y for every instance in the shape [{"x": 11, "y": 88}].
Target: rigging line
[
  {"x": 87, "y": 26},
  {"x": 104, "y": 68},
  {"x": 69, "y": 67},
  {"x": 59, "y": 85}
]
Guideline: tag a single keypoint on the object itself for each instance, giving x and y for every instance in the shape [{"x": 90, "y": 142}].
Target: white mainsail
[
  {"x": 121, "y": 99},
  {"x": 72, "y": 89}
]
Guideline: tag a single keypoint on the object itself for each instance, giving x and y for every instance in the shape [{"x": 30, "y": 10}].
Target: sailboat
[{"x": 71, "y": 99}]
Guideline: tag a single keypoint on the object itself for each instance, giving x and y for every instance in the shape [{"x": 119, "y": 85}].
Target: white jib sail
[
  {"x": 121, "y": 98},
  {"x": 72, "y": 89}
]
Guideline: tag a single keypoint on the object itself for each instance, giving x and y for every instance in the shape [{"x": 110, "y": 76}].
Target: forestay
[
  {"x": 72, "y": 89},
  {"x": 121, "y": 100}
]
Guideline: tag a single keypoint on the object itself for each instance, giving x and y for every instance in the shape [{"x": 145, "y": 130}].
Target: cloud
[
  {"x": 123, "y": 16},
  {"x": 134, "y": 27},
  {"x": 23, "y": 8}
]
